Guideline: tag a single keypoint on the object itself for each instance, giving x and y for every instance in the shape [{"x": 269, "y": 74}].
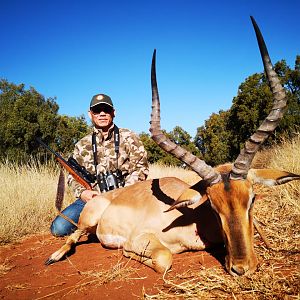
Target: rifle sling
[{"x": 67, "y": 219}]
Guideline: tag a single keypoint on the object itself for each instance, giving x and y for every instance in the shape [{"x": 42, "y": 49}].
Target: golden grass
[
  {"x": 213, "y": 283},
  {"x": 158, "y": 171},
  {"x": 27, "y": 196},
  {"x": 18, "y": 286}
]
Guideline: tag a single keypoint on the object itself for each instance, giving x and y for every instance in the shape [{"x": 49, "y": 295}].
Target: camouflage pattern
[{"x": 132, "y": 159}]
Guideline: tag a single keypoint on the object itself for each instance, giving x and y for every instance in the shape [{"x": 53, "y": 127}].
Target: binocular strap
[{"x": 117, "y": 147}]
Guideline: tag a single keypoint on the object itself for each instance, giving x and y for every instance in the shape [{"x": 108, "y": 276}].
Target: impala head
[
  {"x": 229, "y": 188},
  {"x": 233, "y": 200}
]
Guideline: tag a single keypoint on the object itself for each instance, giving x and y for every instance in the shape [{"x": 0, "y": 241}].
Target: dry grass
[
  {"x": 119, "y": 272},
  {"x": 158, "y": 171},
  {"x": 213, "y": 283},
  {"x": 5, "y": 268},
  {"x": 27, "y": 196}
]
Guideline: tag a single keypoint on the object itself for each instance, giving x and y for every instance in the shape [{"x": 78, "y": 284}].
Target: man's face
[{"x": 102, "y": 116}]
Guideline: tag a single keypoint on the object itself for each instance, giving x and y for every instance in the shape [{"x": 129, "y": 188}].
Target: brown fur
[{"x": 134, "y": 218}]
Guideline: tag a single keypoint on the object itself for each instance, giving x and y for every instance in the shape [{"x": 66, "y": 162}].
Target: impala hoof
[{"x": 49, "y": 261}]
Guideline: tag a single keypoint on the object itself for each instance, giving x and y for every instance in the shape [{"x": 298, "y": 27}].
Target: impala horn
[
  {"x": 242, "y": 164},
  {"x": 205, "y": 171}
]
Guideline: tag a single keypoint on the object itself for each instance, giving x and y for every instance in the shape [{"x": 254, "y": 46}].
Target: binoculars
[
  {"x": 110, "y": 180},
  {"x": 106, "y": 181}
]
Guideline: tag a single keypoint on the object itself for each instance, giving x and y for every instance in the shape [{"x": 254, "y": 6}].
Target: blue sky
[{"x": 72, "y": 50}]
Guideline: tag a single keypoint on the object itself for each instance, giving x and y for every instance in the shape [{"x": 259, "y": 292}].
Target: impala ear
[
  {"x": 271, "y": 177},
  {"x": 188, "y": 197}
]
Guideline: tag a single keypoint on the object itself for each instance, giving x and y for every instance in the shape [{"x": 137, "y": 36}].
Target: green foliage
[
  {"x": 249, "y": 108},
  {"x": 69, "y": 131},
  {"x": 224, "y": 134},
  {"x": 25, "y": 115},
  {"x": 157, "y": 155},
  {"x": 213, "y": 139},
  {"x": 253, "y": 104},
  {"x": 291, "y": 80}
]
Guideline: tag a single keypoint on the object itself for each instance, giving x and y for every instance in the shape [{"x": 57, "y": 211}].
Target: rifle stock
[{"x": 67, "y": 166}]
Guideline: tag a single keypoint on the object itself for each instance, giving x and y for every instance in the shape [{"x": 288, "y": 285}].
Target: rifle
[{"x": 80, "y": 175}]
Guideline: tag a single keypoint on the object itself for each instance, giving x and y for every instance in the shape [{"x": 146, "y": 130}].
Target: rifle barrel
[
  {"x": 49, "y": 149},
  {"x": 78, "y": 177}
]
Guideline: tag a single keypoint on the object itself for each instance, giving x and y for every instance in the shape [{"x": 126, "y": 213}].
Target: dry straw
[{"x": 27, "y": 196}]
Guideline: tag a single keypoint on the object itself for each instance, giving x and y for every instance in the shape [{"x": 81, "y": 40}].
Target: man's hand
[{"x": 88, "y": 195}]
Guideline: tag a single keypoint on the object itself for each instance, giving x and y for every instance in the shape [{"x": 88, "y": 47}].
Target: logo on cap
[{"x": 99, "y": 97}]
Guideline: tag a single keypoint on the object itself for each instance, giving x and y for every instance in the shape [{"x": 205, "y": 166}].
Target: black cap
[{"x": 101, "y": 99}]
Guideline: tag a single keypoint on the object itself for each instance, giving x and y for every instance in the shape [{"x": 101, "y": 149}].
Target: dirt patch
[{"x": 89, "y": 272}]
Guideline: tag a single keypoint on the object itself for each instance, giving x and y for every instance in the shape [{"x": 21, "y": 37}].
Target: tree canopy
[
  {"x": 213, "y": 139},
  {"x": 157, "y": 155},
  {"x": 224, "y": 134},
  {"x": 25, "y": 115}
]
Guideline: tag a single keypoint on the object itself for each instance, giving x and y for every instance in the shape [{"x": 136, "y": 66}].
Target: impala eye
[{"x": 253, "y": 200}]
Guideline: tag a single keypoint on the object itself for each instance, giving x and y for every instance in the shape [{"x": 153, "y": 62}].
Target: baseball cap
[{"x": 101, "y": 99}]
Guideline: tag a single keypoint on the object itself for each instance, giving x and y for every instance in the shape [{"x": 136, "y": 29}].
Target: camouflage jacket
[{"x": 132, "y": 159}]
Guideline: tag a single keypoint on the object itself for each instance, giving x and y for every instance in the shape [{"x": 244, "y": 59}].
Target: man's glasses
[{"x": 99, "y": 108}]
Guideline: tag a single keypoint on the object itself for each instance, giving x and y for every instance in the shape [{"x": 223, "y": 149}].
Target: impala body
[{"x": 153, "y": 219}]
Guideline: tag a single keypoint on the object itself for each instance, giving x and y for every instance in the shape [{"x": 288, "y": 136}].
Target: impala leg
[
  {"x": 147, "y": 249},
  {"x": 71, "y": 240},
  {"x": 87, "y": 222}
]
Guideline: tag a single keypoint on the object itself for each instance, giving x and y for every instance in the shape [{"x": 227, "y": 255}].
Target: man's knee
[{"x": 61, "y": 227}]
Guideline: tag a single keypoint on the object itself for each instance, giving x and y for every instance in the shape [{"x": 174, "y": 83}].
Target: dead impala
[{"x": 153, "y": 219}]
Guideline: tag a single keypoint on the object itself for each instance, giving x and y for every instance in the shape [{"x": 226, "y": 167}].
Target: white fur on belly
[{"x": 112, "y": 241}]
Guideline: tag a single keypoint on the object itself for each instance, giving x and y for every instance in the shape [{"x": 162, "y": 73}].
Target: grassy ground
[{"x": 27, "y": 196}]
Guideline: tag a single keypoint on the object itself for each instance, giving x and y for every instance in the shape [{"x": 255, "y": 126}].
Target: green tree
[
  {"x": 184, "y": 139},
  {"x": 154, "y": 153},
  {"x": 69, "y": 131},
  {"x": 213, "y": 139},
  {"x": 249, "y": 108},
  {"x": 224, "y": 134},
  {"x": 25, "y": 115},
  {"x": 254, "y": 101},
  {"x": 291, "y": 81},
  {"x": 157, "y": 155}
]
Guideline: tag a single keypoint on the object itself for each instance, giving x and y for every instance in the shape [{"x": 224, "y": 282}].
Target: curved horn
[
  {"x": 205, "y": 171},
  {"x": 242, "y": 163}
]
